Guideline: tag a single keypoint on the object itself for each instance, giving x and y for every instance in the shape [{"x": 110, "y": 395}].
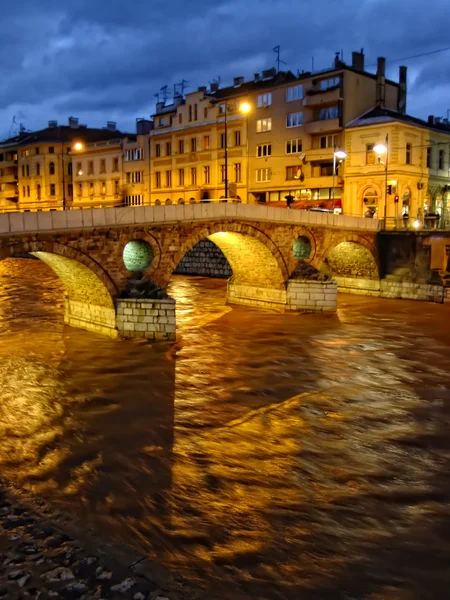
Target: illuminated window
[
  {"x": 330, "y": 112},
  {"x": 206, "y": 175},
  {"x": 168, "y": 178},
  {"x": 294, "y": 119},
  {"x": 327, "y": 84},
  {"x": 293, "y": 172},
  {"x": 263, "y": 175},
  {"x": 222, "y": 173},
  {"x": 264, "y": 125},
  {"x": 194, "y": 176},
  {"x": 237, "y": 138},
  {"x": 180, "y": 176},
  {"x": 237, "y": 172},
  {"x": 329, "y": 141},
  {"x": 370, "y": 154},
  {"x": 206, "y": 142},
  {"x": 158, "y": 179}
]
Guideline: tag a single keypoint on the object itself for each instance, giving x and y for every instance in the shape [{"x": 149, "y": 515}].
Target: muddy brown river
[{"x": 264, "y": 455}]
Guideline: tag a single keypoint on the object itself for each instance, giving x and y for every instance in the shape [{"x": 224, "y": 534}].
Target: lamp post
[
  {"x": 77, "y": 146},
  {"x": 384, "y": 149},
  {"x": 340, "y": 155},
  {"x": 244, "y": 108}
]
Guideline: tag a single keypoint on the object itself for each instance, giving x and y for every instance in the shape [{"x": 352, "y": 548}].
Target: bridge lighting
[
  {"x": 78, "y": 146},
  {"x": 416, "y": 224}
]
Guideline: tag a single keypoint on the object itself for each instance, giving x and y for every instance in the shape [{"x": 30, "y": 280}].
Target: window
[
  {"x": 157, "y": 150},
  {"x": 237, "y": 172},
  {"x": 28, "y": 191},
  {"x": 329, "y": 141},
  {"x": 102, "y": 165},
  {"x": 222, "y": 173},
  {"x": 168, "y": 148},
  {"x": 293, "y": 172},
  {"x": 38, "y": 169},
  {"x": 206, "y": 142},
  {"x": 23, "y": 170},
  {"x": 51, "y": 150},
  {"x": 90, "y": 170},
  {"x": 69, "y": 169},
  {"x": 116, "y": 187},
  {"x": 237, "y": 138},
  {"x": 193, "y": 144},
  {"x": 180, "y": 176},
  {"x": 206, "y": 175},
  {"x": 326, "y": 84},
  {"x": 134, "y": 154},
  {"x": 429, "y": 157},
  {"x": 37, "y": 150},
  {"x": 161, "y": 121},
  {"x": 134, "y": 200},
  {"x": 25, "y": 153},
  {"x": 180, "y": 146},
  {"x": 80, "y": 189},
  {"x": 28, "y": 170},
  {"x": 38, "y": 191},
  {"x": 194, "y": 176},
  {"x": 52, "y": 189},
  {"x": 294, "y": 119},
  {"x": 180, "y": 119},
  {"x": 51, "y": 168},
  {"x": 326, "y": 169},
  {"x": 24, "y": 191},
  {"x": 70, "y": 190},
  {"x": 408, "y": 154},
  {"x": 91, "y": 189},
  {"x": 158, "y": 179},
  {"x": 195, "y": 112},
  {"x": 441, "y": 159},
  {"x": 136, "y": 176},
  {"x": 294, "y": 93},
  {"x": 223, "y": 140},
  {"x": 205, "y": 112},
  {"x": 264, "y": 99},
  {"x": 190, "y": 112},
  {"x": 330, "y": 112},
  {"x": 168, "y": 179},
  {"x": 293, "y": 146},
  {"x": 264, "y": 125},
  {"x": 370, "y": 154},
  {"x": 115, "y": 164},
  {"x": 79, "y": 168},
  {"x": 262, "y": 175},
  {"x": 263, "y": 150}
]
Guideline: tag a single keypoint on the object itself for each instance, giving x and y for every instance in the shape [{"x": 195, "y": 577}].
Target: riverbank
[{"x": 45, "y": 555}]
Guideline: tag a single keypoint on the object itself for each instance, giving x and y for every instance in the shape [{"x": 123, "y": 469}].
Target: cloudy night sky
[{"x": 105, "y": 60}]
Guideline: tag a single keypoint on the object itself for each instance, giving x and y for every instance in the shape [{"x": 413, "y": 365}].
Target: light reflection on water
[{"x": 262, "y": 455}]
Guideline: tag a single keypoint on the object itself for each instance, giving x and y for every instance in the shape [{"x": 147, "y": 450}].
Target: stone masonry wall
[
  {"x": 206, "y": 259},
  {"x": 249, "y": 295},
  {"x": 385, "y": 288},
  {"x": 99, "y": 319},
  {"x": 143, "y": 318},
  {"x": 314, "y": 296}
]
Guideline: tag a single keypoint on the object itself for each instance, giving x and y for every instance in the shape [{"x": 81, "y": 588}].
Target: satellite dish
[{"x": 302, "y": 157}]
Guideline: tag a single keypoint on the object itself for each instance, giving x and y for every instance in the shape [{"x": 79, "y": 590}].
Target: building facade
[{"x": 412, "y": 181}]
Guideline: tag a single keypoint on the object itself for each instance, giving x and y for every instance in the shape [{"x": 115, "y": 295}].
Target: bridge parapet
[{"x": 34, "y": 222}]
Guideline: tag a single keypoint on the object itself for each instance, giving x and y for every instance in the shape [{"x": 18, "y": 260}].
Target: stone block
[
  {"x": 141, "y": 327},
  {"x": 139, "y": 214},
  {"x": 159, "y": 213},
  {"x": 4, "y": 223},
  {"x": 231, "y": 209},
  {"x": 149, "y": 213},
  {"x": 87, "y": 217},
  {"x": 110, "y": 216},
  {"x": 16, "y": 221},
  {"x": 128, "y": 311},
  {"x": 74, "y": 219},
  {"x": 125, "y": 215},
  {"x": 170, "y": 213},
  {"x": 162, "y": 312},
  {"x": 59, "y": 219},
  {"x": 44, "y": 221},
  {"x": 98, "y": 217},
  {"x": 128, "y": 326},
  {"x": 189, "y": 212}
]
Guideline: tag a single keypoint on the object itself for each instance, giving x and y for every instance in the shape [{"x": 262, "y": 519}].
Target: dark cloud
[{"x": 106, "y": 59}]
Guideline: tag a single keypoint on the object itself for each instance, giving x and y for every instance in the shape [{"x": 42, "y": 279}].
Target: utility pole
[{"x": 226, "y": 150}]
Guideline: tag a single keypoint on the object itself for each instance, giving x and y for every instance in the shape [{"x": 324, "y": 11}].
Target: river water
[{"x": 262, "y": 456}]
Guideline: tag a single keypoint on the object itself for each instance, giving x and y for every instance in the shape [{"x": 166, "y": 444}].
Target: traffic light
[
  {"x": 396, "y": 198},
  {"x": 389, "y": 189}
]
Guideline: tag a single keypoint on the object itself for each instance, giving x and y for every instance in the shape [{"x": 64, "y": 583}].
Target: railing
[{"x": 427, "y": 223}]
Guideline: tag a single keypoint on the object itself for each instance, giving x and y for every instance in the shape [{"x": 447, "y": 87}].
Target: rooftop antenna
[
  {"x": 312, "y": 64},
  {"x": 277, "y": 51},
  {"x": 157, "y": 97},
  {"x": 14, "y": 122},
  {"x": 164, "y": 93}
]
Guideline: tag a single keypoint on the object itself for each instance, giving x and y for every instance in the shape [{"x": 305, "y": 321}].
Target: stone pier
[{"x": 146, "y": 318}]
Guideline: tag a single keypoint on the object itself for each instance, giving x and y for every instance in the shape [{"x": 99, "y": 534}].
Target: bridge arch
[
  {"x": 253, "y": 257},
  {"x": 351, "y": 256},
  {"x": 90, "y": 292}
]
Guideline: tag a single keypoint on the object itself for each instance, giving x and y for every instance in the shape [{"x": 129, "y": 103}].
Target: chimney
[
  {"x": 159, "y": 106},
  {"x": 178, "y": 99},
  {"x": 237, "y": 81},
  {"x": 337, "y": 60},
  {"x": 358, "y": 60},
  {"x": 111, "y": 125},
  {"x": 73, "y": 122},
  {"x": 401, "y": 97},
  {"x": 257, "y": 76},
  {"x": 53, "y": 124},
  {"x": 214, "y": 86},
  {"x": 381, "y": 82},
  {"x": 269, "y": 73},
  {"x": 143, "y": 126},
  {"x": 202, "y": 88},
  {"x": 430, "y": 120}
]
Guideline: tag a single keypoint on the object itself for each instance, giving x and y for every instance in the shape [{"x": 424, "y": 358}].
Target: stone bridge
[{"x": 117, "y": 262}]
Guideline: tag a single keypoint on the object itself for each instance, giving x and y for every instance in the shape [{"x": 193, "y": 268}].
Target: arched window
[
  {"x": 406, "y": 201},
  {"x": 51, "y": 168},
  {"x": 38, "y": 191},
  {"x": 157, "y": 201},
  {"x": 370, "y": 200},
  {"x": 168, "y": 201},
  {"x": 191, "y": 200},
  {"x": 180, "y": 201}
]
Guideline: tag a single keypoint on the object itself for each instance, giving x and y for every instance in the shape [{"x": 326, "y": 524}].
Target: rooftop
[
  {"x": 64, "y": 134},
  {"x": 379, "y": 115}
]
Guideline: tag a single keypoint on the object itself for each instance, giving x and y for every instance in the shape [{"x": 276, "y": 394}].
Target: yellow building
[
  {"x": 415, "y": 169},
  {"x": 36, "y": 170}
]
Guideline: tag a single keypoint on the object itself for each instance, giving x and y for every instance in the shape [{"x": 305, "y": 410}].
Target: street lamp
[
  {"x": 340, "y": 155},
  {"x": 381, "y": 149},
  {"x": 244, "y": 108},
  {"x": 78, "y": 146}
]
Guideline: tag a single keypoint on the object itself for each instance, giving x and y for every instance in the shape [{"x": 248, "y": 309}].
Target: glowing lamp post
[
  {"x": 382, "y": 149},
  {"x": 244, "y": 108},
  {"x": 338, "y": 155}
]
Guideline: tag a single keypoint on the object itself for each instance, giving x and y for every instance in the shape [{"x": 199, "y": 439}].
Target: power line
[{"x": 394, "y": 60}]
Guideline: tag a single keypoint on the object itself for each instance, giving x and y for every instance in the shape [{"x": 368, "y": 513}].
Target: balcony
[
  {"x": 322, "y": 97},
  {"x": 319, "y": 154},
  {"x": 9, "y": 177},
  {"x": 323, "y": 126}
]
